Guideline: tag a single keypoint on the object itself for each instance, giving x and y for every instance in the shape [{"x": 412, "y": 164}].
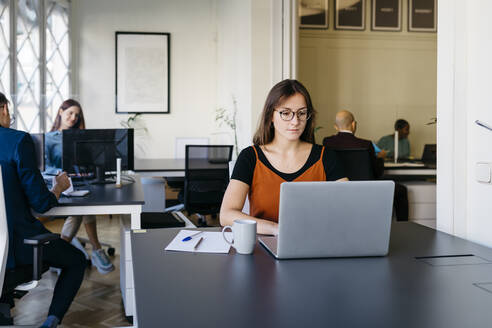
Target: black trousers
[
  {"x": 401, "y": 202},
  {"x": 71, "y": 261}
]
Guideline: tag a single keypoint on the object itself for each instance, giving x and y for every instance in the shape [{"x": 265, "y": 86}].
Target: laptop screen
[{"x": 429, "y": 154}]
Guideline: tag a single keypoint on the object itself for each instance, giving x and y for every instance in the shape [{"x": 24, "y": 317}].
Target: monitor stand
[{"x": 101, "y": 177}]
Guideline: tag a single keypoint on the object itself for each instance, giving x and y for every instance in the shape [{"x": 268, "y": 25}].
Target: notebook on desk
[{"x": 332, "y": 219}]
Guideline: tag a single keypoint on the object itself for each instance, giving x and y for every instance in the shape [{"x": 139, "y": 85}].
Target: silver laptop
[{"x": 332, "y": 219}]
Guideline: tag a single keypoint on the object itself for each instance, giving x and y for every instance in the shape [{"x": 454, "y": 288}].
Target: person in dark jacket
[
  {"x": 345, "y": 138},
  {"x": 25, "y": 189},
  {"x": 346, "y": 126}
]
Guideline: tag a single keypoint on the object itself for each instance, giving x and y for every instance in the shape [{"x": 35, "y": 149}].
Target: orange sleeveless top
[{"x": 264, "y": 193}]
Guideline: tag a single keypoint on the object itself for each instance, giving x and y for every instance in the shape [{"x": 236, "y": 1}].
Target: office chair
[
  {"x": 206, "y": 178},
  {"x": 357, "y": 164},
  {"x": 14, "y": 283},
  {"x": 179, "y": 153}
]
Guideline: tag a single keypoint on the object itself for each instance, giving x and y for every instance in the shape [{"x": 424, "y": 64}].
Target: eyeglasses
[{"x": 288, "y": 115}]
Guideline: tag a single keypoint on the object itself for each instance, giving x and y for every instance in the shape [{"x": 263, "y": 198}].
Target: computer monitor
[
  {"x": 38, "y": 139},
  {"x": 429, "y": 154},
  {"x": 95, "y": 151}
]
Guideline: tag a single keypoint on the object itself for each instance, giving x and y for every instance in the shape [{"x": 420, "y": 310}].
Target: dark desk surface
[
  {"x": 217, "y": 290},
  {"x": 128, "y": 194}
]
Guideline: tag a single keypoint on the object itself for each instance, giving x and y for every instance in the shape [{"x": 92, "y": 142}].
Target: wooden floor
[{"x": 98, "y": 302}]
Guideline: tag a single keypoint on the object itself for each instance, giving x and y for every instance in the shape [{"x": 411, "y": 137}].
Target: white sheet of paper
[
  {"x": 76, "y": 193},
  {"x": 212, "y": 242}
]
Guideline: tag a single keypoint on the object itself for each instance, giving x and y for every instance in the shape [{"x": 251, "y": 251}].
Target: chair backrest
[
  {"x": 357, "y": 164},
  {"x": 206, "y": 177},
  {"x": 4, "y": 234},
  {"x": 180, "y": 145}
]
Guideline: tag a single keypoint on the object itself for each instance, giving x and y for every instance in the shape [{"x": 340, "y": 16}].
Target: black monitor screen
[
  {"x": 38, "y": 139},
  {"x": 83, "y": 150}
]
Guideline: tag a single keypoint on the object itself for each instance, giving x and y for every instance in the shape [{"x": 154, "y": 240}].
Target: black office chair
[
  {"x": 357, "y": 164},
  {"x": 206, "y": 178},
  {"x": 14, "y": 283}
]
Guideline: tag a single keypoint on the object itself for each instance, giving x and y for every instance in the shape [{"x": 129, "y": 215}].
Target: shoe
[
  {"x": 76, "y": 242},
  {"x": 55, "y": 270},
  {"x": 101, "y": 261}
]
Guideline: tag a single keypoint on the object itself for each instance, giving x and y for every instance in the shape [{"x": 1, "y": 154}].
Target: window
[{"x": 40, "y": 78}]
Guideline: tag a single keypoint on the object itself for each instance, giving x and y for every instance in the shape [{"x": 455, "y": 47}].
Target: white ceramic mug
[{"x": 244, "y": 236}]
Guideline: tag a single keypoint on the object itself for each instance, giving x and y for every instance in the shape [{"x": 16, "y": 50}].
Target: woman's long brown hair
[
  {"x": 279, "y": 93},
  {"x": 80, "y": 124}
]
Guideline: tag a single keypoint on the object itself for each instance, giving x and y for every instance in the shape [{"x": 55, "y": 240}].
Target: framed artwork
[
  {"x": 386, "y": 15},
  {"x": 313, "y": 13},
  {"x": 142, "y": 72},
  {"x": 422, "y": 15},
  {"x": 350, "y": 14}
]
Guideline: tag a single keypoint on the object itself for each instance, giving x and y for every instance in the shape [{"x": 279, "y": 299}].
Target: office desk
[
  {"x": 107, "y": 199},
  {"x": 104, "y": 199},
  {"x": 167, "y": 167},
  {"x": 164, "y": 167},
  {"x": 402, "y": 172},
  {"x": 217, "y": 290}
]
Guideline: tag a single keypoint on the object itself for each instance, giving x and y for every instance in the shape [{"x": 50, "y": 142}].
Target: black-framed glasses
[{"x": 288, "y": 115}]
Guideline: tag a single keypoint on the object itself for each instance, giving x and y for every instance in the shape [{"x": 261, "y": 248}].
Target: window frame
[{"x": 43, "y": 5}]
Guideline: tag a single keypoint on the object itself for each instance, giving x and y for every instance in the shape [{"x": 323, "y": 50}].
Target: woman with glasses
[
  {"x": 283, "y": 150},
  {"x": 70, "y": 116}
]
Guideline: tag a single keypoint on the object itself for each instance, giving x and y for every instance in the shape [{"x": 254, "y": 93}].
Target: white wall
[
  {"x": 463, "y": 96},
  {"x": 219, "y": 49},
  {"x": 379, "y": 76},
  {"x": 192, "y": 25},
  {"x": 234, "y": 66}
]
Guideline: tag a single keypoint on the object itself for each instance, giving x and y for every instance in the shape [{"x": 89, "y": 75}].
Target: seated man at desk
[
  {"x": 345, "y": 138},
  {"x": 387, "y": 143},
  {"x": 24, "y": 188}
]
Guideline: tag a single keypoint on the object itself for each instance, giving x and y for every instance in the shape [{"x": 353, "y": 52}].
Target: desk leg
[{"x": 135, "y": 219}]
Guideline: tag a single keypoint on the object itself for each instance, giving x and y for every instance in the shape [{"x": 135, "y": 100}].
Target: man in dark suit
[
  {"x": 24, "y": 188},
  {"x": 346, "y": 125}
]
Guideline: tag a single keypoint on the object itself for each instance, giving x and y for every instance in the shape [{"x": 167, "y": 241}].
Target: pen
[
  {"x": 191, "y": 236},
  {"x": 199, "y": 241},
  {"x": 483, "y": 124}
]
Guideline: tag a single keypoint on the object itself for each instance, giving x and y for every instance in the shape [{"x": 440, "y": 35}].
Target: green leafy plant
[{"x": 228, "y": 118}]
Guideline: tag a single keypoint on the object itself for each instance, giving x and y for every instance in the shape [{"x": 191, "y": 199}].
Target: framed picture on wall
[
  {"x": 142, "y": 72},
  {"x": 422, "y": 15},
  {"x": 350, "y": 14},
  {"x": 386, "y": 15},
  {"x": 313, "y": 13}
]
